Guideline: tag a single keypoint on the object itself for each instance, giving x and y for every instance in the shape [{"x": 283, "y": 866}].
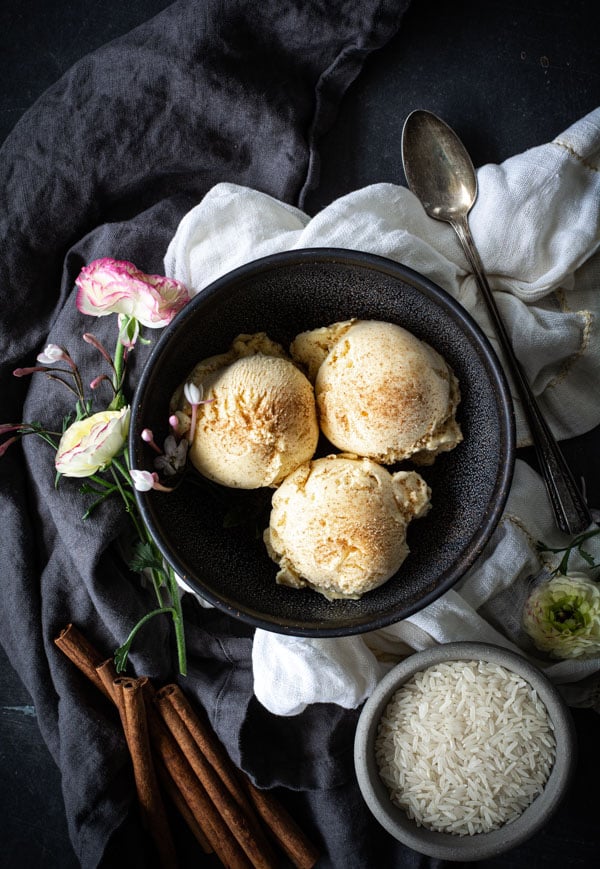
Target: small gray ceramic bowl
[{"x": 447, "y": 846}]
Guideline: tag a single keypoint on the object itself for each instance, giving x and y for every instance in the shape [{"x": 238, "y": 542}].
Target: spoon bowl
[
  {"x": 440, "y": 173},
  {"x": 444, "y": 180}
]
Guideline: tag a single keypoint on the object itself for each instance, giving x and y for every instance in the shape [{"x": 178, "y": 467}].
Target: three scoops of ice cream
[{"x": 379, "y": 395}]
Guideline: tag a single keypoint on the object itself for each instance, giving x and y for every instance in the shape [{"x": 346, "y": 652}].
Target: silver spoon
[{"x": 440, "y": 173}]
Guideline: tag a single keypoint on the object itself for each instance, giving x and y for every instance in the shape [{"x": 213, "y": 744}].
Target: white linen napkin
[{"x": 536, "y": 224}]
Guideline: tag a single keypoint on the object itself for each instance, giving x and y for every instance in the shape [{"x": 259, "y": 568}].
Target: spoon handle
[{"x": 570, "y": 510}]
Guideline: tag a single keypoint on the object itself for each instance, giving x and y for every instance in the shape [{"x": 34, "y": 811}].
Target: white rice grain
[{"x": 465, "y": 746}]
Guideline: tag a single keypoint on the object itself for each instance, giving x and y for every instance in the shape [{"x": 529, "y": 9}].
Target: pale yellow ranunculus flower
[{"x": 90, "y": 444}]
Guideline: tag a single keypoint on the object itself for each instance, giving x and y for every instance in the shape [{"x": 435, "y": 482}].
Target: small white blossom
[
  {"x": 174, "y": 457},
  {"x": 52, "y": 353},
  {"x": 193, "y": 393},
  {"x": 143, "y": 481}
]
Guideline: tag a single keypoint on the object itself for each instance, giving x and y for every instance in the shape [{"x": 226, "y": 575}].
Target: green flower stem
[
  {"x": 141, "y": 530},
  {"x": 118, "y": 363},
  {"x": 43, "y": 434},
  {"x": 50, "y": 441},
  {"x": 106, "y": 494},
  {"x": 123, "y": 470},
  {"x": 156, "y": 583},
  {"x": 117, "y": 381},
  {"x": 100, "y": 481},
  {"x": 576, "y": 545},
  {"x": 173, "y": 588},
  {"x": 178, "y": 621},
  {"x": 76, "y": 392},
  {"x": 128, "y": 498},
  {"x": 122, "y": 652}
]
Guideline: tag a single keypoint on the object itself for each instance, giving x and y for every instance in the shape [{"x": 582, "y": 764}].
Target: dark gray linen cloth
[{"x": 105, "y": 164}]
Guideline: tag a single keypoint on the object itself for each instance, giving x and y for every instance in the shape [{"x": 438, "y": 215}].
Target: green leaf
[
  {"x": 576, "y": 544},
  {"x": 96, "y": 503},
  {"x": 120, "y": 657},
  {"x": 145, "y": 557},
  {"x": 589, "y": 559}
]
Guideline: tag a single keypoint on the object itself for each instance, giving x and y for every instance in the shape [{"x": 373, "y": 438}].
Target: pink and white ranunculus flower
[
  {"x": 108, "y": 286},
  {"x": 90, "y": 444}
]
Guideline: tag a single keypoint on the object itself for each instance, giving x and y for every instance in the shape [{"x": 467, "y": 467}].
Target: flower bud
[
  {"x": 143, "y": 481},
  {"x": 193, "y": 393}
]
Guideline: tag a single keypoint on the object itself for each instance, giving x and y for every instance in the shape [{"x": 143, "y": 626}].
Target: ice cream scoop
[
  {"x": 381, "y": 392},
  {"x": 258, "y": 422},
  {"x": 338, "y": 524}
]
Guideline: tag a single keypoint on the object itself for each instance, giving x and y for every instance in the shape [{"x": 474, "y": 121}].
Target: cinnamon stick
[
  {"x": 177, "y": 715},
  {"x": 116, "y": 687},
  {"x": 208, "y": 743},
  {"x": 292, "y": 840},
  {"x": 216, "y": 830},
  {"x": 100, "y": 672},
  {"x": 81, "y": 653},
  {"x": 149, "y": 797},
  {"x": 299, "y": 849},
  {"x": 104, "y": 676},
  {"x": 178, "y": 777},
  {"x": 180, "y": 804},
  {"x": 107, "y": 673}
]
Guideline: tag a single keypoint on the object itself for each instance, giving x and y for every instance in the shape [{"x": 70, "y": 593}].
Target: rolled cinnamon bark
[
  {"x": 178, "y": 777},
  {"x": 207, "y": 741},
  {"x": 101, "y": 673},
  {"x": 107, "y": 673},
  {"x": 81, "y": 653},
  {"x": 299, "y": 849},
  {"x": 176, "y": 714},
  {"x": 133, "y": 718},
  {"x": 149, "y": 797},
  {"x": 180, "y": 804},
  {"x": 223, "y": 843}
]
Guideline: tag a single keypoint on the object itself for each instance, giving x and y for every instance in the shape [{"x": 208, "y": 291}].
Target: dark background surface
[{"x": 507, "y": 76}]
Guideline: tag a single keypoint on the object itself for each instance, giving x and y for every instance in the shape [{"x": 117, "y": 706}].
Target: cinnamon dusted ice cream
[
  {"x": 338, "y": 524},
  {"x": 380, "y": 391},
  {"x": 258, "y": 422}
]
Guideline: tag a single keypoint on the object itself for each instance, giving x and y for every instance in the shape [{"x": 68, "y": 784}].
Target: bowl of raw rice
[{"x": 464, "y": 751}]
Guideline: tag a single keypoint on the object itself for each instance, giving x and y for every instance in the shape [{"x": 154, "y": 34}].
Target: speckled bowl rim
[{"x": 445, "y": 846}]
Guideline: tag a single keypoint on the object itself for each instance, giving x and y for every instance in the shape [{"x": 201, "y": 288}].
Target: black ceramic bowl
[{"x": 212, "y": 536}]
